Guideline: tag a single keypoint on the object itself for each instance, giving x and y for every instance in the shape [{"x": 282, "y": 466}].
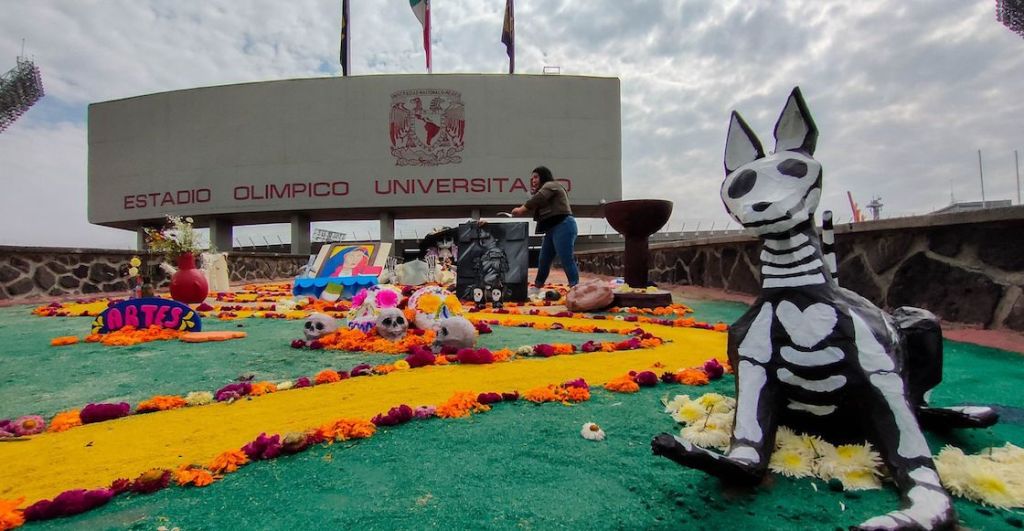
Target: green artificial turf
[
  {"x": 520, "y": 466},
  {"x": 36, "y": 378}
]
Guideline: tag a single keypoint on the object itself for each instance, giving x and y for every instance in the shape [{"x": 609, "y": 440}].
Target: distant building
[{"x": 967, "y": 206}]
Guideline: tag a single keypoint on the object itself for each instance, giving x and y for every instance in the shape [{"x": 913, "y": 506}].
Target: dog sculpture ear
[
  {"x": 795, "y": 130},
  {"x": 741, "y": 145}
]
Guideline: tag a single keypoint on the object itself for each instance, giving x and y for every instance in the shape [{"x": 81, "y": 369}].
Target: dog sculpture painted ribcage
[{"x": 816, "y": 357}]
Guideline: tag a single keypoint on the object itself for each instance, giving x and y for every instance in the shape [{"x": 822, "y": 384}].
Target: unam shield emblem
[{"x": 427, "y": 127}]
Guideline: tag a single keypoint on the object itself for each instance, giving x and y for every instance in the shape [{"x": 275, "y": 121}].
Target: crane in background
[{"x": 857, "y": 216}]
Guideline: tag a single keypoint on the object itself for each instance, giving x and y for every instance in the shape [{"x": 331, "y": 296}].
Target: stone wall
[
  {"x": 32, "y": 272},
  {"x": 966, "y": 267}
]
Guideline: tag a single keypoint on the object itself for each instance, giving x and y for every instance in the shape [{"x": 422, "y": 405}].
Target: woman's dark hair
[{"x": 544, "y": 173}]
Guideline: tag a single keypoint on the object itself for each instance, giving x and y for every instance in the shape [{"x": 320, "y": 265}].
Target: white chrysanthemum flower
[
  {"x": 592, "y": 432},
  {"x": 953, "y": 466},
  {"x": 985, "y": 477},
  {"x": 690, "y": 413},
  {"x": 1009, "y": 454},
  {"x": 859, "y": 479},
  {"x": 835, "y": 460},
  {"x": 786, "y": 437},
  {"x": 706, "y": 436},
  {"x": 199, "y": 398},
  {"x": 793, "y": 461},
  {"x": 671, "y": 406},
  {"x": 990, "y": 484},
  {"x": 525, "y": 350},
  {"x": 285, "y": 385},
  {"x": 717, "y": 403}
]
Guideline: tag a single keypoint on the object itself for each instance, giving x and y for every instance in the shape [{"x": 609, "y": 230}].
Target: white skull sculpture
[
  {"x": 318, "y": 325},
  {"x": 456, "y": 332},
  {"x": 392, "y": 324}
]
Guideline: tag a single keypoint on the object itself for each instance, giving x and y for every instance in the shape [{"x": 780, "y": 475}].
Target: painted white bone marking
[
  {"x": 788, "y": 258},
  {"x": 757, "y": 344},
  {"x": 810, "y": 326},
  {"x": 820, "y": 411},
  {"x": 792, "y": 282},
  {"x": 754, "y": 378},
  {"x": 872, "y": 356},
  {"x": 744, "y": 453},
  {"x": 912, "y": 443},
  {"x": 809, "y": 266},
  {"x": 784, "y": 245},
  {"x": 814, "y": 358},
  {"x": 820, "y": 386}
]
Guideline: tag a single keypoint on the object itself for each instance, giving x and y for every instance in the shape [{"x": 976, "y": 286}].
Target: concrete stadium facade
[{"x": 380, "y": 147}]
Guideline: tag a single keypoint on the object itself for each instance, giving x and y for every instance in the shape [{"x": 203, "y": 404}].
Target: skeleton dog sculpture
[{"x": 817, "y": 357}]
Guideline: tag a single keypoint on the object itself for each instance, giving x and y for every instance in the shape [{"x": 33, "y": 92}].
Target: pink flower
[
  {"x": 298, "y": 343},
  {"x": 68, "y": 503},
  {"x": 425, "y": 412},
  {"x": 151, "y": 481},
  {"x": 578, "y": 382},
  {"x": 386, "y": 299},
  {"x": 302, "y": 382},
  {"x": 396, "y": 415},
  {"x": 714, "y": 369},
  {"x": 263, "y": 447},
  {"x": 233, "y": 391},
  {"x": 27, "y": 425},
  {"x": 420, "y": 357},
  {"x": 483, "y": 327},
  {"x": 359, "y": 298},
  {"x": 363, "y": 369},
  {"x": 101, "y": 412}
]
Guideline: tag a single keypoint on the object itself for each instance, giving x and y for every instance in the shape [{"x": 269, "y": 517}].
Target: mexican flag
[{"x": 421, "y": 8}]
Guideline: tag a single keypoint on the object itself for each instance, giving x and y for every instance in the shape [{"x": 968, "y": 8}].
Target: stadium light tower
[
  {"x": 1011, "y": 14},
  {"x": 20, "y": 88}
]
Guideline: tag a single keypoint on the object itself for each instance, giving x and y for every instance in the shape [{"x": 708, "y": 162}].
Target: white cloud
[{"x": 904, "y": 92}]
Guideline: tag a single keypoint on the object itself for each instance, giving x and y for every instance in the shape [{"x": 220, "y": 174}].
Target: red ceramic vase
[{"x": 188, "y": 284}]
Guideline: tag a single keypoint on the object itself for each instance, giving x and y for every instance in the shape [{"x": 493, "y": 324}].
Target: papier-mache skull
[
  {"x": 392, "y": 324},
  {"x": 433, "y": 303},
  {"x": 368, "y": 303},
  {"x": 455, "y": 332},
  {"x": 318, "y": 325}
]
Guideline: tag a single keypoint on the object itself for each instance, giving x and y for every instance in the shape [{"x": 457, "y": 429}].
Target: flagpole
[{"x": 426, "y": 39}]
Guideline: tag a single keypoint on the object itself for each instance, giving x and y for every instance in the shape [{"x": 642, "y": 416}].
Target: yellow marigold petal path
[{"x": 94, "y": 455}]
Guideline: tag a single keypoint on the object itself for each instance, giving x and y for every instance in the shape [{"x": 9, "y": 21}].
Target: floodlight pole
[
  {"x": 981, "y": 174},
  {"x": 1016, "y": 165}
]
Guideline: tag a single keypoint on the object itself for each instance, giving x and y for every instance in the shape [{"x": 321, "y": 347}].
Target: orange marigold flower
[
  {"x": 65, "y": 420},
  {"x": 607, "y": 346},
  {"x": 383, "y": 369},
  {"x": 549, "y": 393},
  {"x": 692, "y": 377},
  {"x": 160, "y": 403},
  {"x": 63, "y": 340},
  {"x": 440, "y": 360},
  {"x": 648, "y": 343},
  {"x": 461, "y": 404},
  {"x": 10, "y": 515},
  {"x": 229, "y": 461},
  {"x": 345, "y": 429},
  {"x": 577, "y": 394},
  {"x": 262, "y": 388},
  {"x": 327, "y": 376},
  {"x": 721, "y": 327},
  {"x": 504, "y": 354},
  {"x": 189, "y": 475},
  {"x": 563, "y": 348},
  {"x": 622, "y": 384}
]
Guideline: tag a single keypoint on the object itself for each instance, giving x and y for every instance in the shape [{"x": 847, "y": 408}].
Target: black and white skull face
[
  {"x": 775, "y": 193},
  {"x": 392, "y": 324},
  {"x": 318, "y": 325},
  {"x": 455, "y": 332}
]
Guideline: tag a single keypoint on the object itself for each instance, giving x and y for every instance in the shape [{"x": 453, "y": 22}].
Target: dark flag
[
  {"x": 345, "y": 49},
  {"x": 508, "y": 35}
]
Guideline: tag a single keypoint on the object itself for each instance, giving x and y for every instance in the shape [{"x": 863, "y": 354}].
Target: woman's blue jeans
[{"x": 560, "y": 239}]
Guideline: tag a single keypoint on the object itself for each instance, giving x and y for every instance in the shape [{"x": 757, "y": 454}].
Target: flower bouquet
[{"x": 176, "y": 238}]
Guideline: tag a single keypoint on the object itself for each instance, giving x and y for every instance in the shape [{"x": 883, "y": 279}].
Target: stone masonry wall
[
  {"x": 965, "y": 267},
  {"x": 31, "y": 272}
]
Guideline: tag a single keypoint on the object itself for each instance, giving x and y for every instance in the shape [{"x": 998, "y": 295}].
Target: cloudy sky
[{"x": 904, "y": 92}]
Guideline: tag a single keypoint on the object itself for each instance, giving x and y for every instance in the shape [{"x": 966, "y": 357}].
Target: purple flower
[
  {"x": 68, "y": 503},
  {"x": 488, "y": 398},
  {"x": 510, "y": 397},
  {"x": 27, "y": 425},
  {"x": 396, "y": 415},
  {"x": 120, "y": 485},
  {"x": 151, "y": 481},
  {"x": 578, "y": 382},
  {"x": 4, "y": 434},
  {"x": 470, "y": 356},
  {"x": 363, "y": 369},
  {"x": 668, "y": 377},
  {"x": 646, "y": 379},
  {"x": 315, "y": 345},
  {"x": 233, "y": 391},
  {"x": 544, "y": 350},
  {"x": 424, "y": 412},
  {"x": 590, "y": 346},
  {"x": 298, "y": 343},
  {"x": 420, "y": 357},
  {"x": 302, "y": 382},
  {"x": 263, "y": 447},
  {"x": 714, "y": 369},
  {"x": 101, "y": 412},
  {"x": 483, "y": 327}
]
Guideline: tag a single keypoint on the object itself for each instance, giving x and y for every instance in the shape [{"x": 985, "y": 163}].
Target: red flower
[{"x": 646, "y": 379}]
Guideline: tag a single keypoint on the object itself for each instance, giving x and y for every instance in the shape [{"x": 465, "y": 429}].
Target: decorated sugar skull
[
  {"x": 433, "y": 303},
  {"x": 455, "y": 332},
  {"x": 392, "y": 324},
  {"x": 368, "y": 303},
  {"x": 318, "y": 325}
]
